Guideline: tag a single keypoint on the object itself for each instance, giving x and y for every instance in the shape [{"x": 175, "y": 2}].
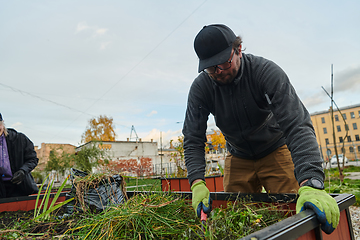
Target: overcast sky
[{"x": 65, "y": 62}]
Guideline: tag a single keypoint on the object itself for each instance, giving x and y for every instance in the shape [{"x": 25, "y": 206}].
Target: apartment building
[{"x": 346, "y": 129}]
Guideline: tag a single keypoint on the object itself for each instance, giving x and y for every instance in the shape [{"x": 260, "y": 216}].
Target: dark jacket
[
  {"x": 22, "y": 156},
  {"x": 257, "y": 113}
]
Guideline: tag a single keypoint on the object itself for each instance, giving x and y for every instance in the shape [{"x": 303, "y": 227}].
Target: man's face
[
  {"x": 2, "y": 128},
  {"x": 227, "y": 76}
]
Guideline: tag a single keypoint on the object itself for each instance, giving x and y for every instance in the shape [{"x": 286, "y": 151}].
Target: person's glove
[
  {"x": 18, "y": 177},
  {"x": 201, "y": 198},
  {"x": 324, "y": 206}
]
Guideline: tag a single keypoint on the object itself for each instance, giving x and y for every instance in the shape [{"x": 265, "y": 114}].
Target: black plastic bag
[{"x": 108, "y": 192}]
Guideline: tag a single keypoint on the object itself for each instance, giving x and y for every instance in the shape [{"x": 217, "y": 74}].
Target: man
[
  {"x": 17, "y": 159},
  {"x": 268, "y": 131}
]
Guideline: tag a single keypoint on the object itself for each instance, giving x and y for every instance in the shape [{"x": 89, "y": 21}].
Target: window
[
  {"x": 346, "y": 127},
  {"x": 341, "y": 139},
  {"x": 326, "y": 141},
  {"x": 323, "y": 120},
  {"x": 349, "y": 138},
  {"x": 358, "y": 148},
  {"x": 357, "y": 138},
  {"x": 344, "y": 116},
  {"x": 337, "y": 117},
  {"x": 338, "y": 128},
  {"x": 351, "y": 149},
  {"x": 359, "y": 113},
  {"x": 342, "y": 150},
  {"x": 354, "y": 126},
  {"x": 352, "y": 115},
  {"x": 325, "y": 131}
]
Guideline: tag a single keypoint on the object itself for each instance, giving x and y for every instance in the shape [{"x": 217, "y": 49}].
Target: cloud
[
  {"x": 100, "y": 31},
  {"x": 347, "y": 80},
  {"x": 152, "y": 113},
  {"x": 83, "y": 26},
  {"x": 315, "y": 99},
  {"x": 104, "y": 45},
  {"x": 16, "y": 125},
  {"x": 165, "y": 136}
]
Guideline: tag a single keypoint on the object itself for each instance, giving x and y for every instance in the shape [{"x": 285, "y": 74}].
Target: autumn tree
[
  {"x": 217, "y": 140},
  {"x": 99, "y": 129},
  {"x": 178, "y": 156}
]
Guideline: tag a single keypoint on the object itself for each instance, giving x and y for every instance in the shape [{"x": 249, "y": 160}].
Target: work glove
[
  {"x": 18, "y": 177},
  {"x": 201, "y": 198},
  {"x": 324, "y": 206}
]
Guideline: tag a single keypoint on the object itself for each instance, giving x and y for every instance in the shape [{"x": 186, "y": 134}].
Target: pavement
[{"x": 352, "y": 175}]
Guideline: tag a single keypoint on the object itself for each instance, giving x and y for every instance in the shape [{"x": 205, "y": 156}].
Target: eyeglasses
[{"x": 226, "y": 65}]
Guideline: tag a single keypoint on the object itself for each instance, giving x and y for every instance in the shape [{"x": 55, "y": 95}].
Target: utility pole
[
  {"x": 161, "y": 154},
  {"x": 333, "y": 125}
]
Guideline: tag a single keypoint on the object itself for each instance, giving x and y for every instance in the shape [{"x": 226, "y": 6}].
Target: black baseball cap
[
  {"x": 1, "y": 117},
  {"x": 213, "y": 45}
]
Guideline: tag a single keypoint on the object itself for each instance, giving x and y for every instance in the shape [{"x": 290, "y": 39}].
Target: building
[
  {"x": 134, "y": 153},
  {"x": 43, "y": 153},
  {"x": 347, "y": 131}
]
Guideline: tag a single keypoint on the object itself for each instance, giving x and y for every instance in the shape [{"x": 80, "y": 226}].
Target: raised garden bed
[
  {"x": 302, "y": 226},
  {"x": 214, "y": 184}
]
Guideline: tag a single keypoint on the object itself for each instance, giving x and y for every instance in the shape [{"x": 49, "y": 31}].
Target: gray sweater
[{"x": 257, "y": 113}]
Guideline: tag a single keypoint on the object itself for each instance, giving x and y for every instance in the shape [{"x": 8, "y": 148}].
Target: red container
[
  {"x": 26, "y": 203},
  {"x": 214, "y": 184},
  {"x": 302, "y": 226}
]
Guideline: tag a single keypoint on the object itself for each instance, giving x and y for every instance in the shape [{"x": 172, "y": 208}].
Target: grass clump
[
  {"x": 144, "y": 216},
  {"x": 167, "y": 216},
  {"x": 241, "y": 218}
]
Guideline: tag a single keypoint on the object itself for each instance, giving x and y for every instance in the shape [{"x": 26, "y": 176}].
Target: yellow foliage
[
  {"x": 99, "y": 129},
  {"x": 217, "y": 139}
]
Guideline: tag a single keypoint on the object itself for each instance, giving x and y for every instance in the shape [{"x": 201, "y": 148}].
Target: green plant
[
  {"x": 38, "y": 177},
  {"x": 221, "y": 169},
  {"x": 59, "y": 162},
  {"x": 48, "y": 209},
  {"x": 178, "y": 157},
  {"x": 240, "y": 218},
  {"x": 90, "y": 156},
  {"x": 350, "y": 186},
  {"x": 144, "y": 216}
]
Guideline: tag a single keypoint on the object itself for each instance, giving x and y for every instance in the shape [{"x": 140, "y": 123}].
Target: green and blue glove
[
  {"x": 324, "y": 206},
  {"x": 201, "y": 198}
]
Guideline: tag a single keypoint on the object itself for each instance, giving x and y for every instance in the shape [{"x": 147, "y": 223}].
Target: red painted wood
[
  {"x": 342, "y": 231},
  {"x": 184, "y": 185},
  {"x": 25, "y": 205},
  {"x": 214, "y": 184}
]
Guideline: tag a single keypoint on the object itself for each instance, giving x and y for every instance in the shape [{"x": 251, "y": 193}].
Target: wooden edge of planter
[
  {"x": 214, "y": 184},
  {"x": 305, "y": 223},
  {"x": 26, "y": 203}
]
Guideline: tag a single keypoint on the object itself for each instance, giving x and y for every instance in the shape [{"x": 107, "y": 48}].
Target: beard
[{"x": 225, "y": 77}]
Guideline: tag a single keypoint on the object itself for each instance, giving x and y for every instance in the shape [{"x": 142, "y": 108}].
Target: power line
[
  {"x": 124, "y": 76},
  {"x": 43, "y": 99}
]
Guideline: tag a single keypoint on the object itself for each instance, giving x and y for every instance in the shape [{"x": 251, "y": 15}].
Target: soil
[{"x": 15, "y": 221}]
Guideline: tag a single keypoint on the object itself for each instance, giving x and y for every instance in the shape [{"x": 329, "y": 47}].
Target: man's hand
[
  {"x": 18, "y": 177},
  {"x": 200, "y": 198},
  {"x": 324, "y": 206}
]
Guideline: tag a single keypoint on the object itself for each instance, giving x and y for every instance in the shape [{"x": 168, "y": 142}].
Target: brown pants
[{"x": 275, "y": 173}]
